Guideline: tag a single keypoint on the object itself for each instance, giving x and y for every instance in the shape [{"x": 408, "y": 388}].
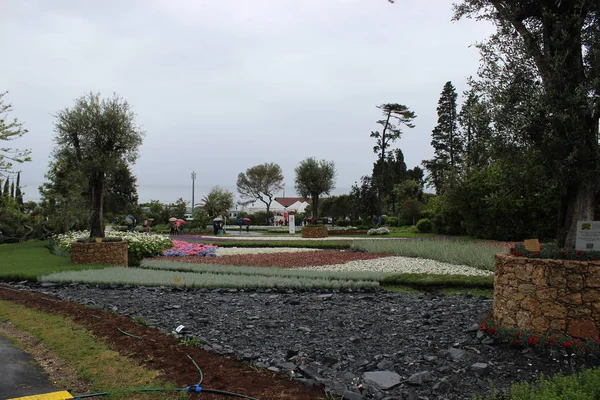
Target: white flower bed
[
  {"x": 397, "y": 265},
  {"x": 234, "y": 251}
]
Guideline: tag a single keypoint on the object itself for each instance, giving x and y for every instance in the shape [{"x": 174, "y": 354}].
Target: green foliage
[
  {"x": 313, "y": 179},
  {"x": 190, "y": 342},
  {"x": 424, "y": 225},
  {"x": 433, "y": 280},
  {"x": 458, "y": 252},
  {"x": 446, "y": 140},
  {"x": 218, "y": 202},
  {"x": 553, "y": 252},
  {"x": 261, "y": 183},
  {"x": 10, "y": 130}
]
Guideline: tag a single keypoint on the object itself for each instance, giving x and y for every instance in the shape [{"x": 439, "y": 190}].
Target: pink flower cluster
[{"x": 183, "y": 249}]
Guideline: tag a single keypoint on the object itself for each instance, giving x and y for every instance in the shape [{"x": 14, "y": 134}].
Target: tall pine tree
[
  {"x": 475, "y": 122},
  {"x": 446, "y": 140},
  {"x": 6, "y": 192}
]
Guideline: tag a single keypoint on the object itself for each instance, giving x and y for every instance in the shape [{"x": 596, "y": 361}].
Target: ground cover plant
[
  {"x": 150, "y": 277},
  {"x": 28, "y": 260},
  {"x": 284, "y": 260},
  {"x": 311, "y": 244},
  {"x": 460, "y": 252}
]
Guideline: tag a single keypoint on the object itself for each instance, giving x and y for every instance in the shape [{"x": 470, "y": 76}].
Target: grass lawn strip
[
  {"x": 28, "y": 260},
  {"x": 61, "y": 373},
  {"x": 94, "y": 362},
  {"x": 233, "y": 251},
  {"x": 147, "y": 277},
  {"x": 160, "y": 352}
]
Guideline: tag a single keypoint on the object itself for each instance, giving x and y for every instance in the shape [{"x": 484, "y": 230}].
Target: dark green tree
[
  {"x": 314, "y": 179},
  {"x": 100, "y": 134},
  {"x": 218, "y": 202},
  {"x": 261, "y": 182},
  {"x": 6, "y": 192},
  {"x": 475, "y": 121},
  {"x": 365, "y": 197},
  {"x": 394, "y": 116},
  {"x": 18, "y": 192},
  {"x": 560, "y": 41},
  {"x": 392, "y": 171},
  {"x": 445, "y": 139}
]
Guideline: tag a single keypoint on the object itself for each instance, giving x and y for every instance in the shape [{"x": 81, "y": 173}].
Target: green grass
[
  {"x": 31, "y": 259},
  {"x": 446, "y": 281},
  {"x": 149, "y": 277},
  {"x": 94, "y": 362},
  {"x": 458, "y": 252},
  {"x": 583, "y": 385}
]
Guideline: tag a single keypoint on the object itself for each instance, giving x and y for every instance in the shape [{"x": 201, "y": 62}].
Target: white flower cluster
[
  {"x": 400, "y": 265},
  {"x": 140, "y": 244},
  {"x": 378, "y": 231}
]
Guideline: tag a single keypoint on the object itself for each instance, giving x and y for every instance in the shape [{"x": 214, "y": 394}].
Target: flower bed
[
  {"x": 548, "y": 297},
  {"x": 184, "y": 249}
]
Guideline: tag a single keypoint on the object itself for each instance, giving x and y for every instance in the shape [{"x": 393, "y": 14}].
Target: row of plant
[
  {"x": 263, "y": 271},
  {"x": 152, "y": 277},
  {"x": 323, "y": 244},
  {"x": 456, "y": 252},
  {"x": 553, "y": 252}
]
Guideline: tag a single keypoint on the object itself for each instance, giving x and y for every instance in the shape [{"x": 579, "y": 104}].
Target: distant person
[
  {"x": 148, "y": 225},
  {"x": 215, "y": 228},
  {"x": 172, "y": 228},
  {"x": 248, "y": 227},
  {"x": 379, "y": 221},
  {"x": 240, "y": 222}
]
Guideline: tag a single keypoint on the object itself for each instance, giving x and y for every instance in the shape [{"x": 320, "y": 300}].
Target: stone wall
[
  {"x": 113, "y": 253},
  {"x": 548, "y": 296},
  {"x": 314, "y": 232}
]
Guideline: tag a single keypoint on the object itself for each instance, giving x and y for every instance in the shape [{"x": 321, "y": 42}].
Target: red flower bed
[{"x": 283, "y": 260}]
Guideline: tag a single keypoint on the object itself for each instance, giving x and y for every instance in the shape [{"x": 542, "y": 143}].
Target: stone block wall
[
  {"x": 548, "y": 296},
  {"x": 114, "y": 253},
  {"x": 314, "y": 232}
]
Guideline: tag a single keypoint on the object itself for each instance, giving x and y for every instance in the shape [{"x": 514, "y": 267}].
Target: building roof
[{"x": 288, "y": 201}]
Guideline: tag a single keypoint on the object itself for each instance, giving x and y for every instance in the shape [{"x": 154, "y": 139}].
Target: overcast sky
[{"x": 220, "y": 86}]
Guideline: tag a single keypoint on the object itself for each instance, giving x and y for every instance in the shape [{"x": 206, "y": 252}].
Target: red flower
[
  {"x": 563, "y": 253},
  {"x": 550, "y": 341},
  {"x": 519, "y": 254},
  {"x": 516, "y": 342},
  {"x": 512, "y": 249},
  {"x": 518, "y": 333},
  {"x": 533, "y": 340},
  {"x": 491, "y": 330},
  {"x": 482, "y": 327},
  {"x": 593, "y": 258},
  {"x": 567, "y": 344},
  {"x": 576, "y": 342},
  {"x": 580, "y": 253}
]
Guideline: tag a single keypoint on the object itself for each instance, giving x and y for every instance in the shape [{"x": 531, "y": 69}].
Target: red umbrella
[{"x": 246, "y": 219}]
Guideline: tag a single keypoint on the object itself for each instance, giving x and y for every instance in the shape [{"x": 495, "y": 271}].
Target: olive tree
[
  {"x": 313, "y": 179},
  {"x": 99, "y": 135}
]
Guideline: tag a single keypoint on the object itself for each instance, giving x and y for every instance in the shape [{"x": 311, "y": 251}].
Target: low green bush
[
  {"x": 424, "y": 225},
  {"x": 434, "y": 280}
]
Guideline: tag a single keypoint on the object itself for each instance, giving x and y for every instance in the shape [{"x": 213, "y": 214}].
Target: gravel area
[
  {"x": 403, "y": 265},
  {"x": 392, "y": 345}
]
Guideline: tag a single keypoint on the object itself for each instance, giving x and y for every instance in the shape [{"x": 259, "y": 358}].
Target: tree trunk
[
  {"x": 578, "y": 204},
  {"x": 96, "y": 192},
  {"x": 315, "y": 205}
]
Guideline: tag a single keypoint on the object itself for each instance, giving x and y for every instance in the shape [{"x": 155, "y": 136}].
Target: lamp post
[{"x": 193, "y": 182}]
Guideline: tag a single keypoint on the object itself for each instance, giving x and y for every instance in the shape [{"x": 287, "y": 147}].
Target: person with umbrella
[
  {"x": 180, "y": 225},
  {"x": 172, "y": 229},
  {"x": 240, "y": 222},
  {"x": 217, "y": 224},
  {"x": 247, "y": 222}
]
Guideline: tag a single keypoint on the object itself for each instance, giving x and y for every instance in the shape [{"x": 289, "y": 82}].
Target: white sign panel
[
  {"x": 588, "y": 236},
  {"x": 292, "y": 223}
]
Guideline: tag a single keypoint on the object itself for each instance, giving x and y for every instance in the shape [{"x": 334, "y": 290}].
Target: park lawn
[{"x": 31, "y": 259}]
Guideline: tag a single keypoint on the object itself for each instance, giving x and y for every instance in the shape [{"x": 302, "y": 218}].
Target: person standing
[{"x": 379, "y": 222}]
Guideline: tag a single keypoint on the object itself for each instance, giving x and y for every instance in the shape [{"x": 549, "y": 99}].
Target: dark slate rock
[{"x": 384, "y": 380}]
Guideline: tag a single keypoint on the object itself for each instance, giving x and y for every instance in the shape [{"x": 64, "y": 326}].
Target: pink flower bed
[
  {"x": 184, "y": 249},
  {"x": 284, "y": 260}
]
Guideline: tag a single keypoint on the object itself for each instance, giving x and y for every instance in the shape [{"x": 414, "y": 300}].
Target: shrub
[
  {"x": 553, "y": 252},
  {"x": 424, "y": 225},
  {"x": 391, "y": 221}
]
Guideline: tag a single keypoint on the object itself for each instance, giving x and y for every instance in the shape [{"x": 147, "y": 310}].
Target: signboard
[
  {"x": 292, "y": 223},
  {"x": 532, "y": 245},
  {"x": 588, "y": 236}
]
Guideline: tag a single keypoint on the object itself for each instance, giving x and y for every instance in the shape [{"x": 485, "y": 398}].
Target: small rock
[
  {"x": 287, "y": 365},
  {"x": 385, "y": 365},
  {"x": 455, "y": 354},
  {"x": 443, "y": 386},
  {"x": 273, "y": 369},
  {"x": 487, "y": 340},
  {"x": 323, "y": 296},
  {"x": 420, "y": 377},
  {"x": 473, "y": 328},
  {"x": 383, "y": 380},
  {"x": 479, "y": 367},
  {"x": 352, "y": 396}
]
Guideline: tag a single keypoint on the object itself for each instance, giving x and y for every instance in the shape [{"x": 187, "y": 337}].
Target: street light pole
[{"x": 193, "y": 182}]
